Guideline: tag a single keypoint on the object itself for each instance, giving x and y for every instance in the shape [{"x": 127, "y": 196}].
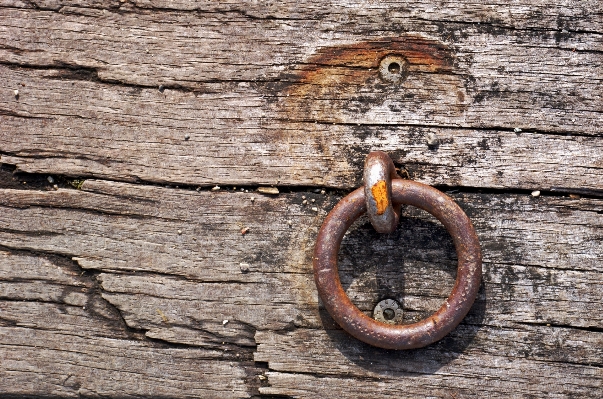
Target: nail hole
[{"x": 394, "y": 67}]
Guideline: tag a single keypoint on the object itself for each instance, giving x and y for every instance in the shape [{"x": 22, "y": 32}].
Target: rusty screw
[
  {"x": 393, "y": 68},
  {"x": 388, "y": 311}
]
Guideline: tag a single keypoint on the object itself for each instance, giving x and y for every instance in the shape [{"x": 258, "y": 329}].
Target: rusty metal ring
[
  {"x": 428, "y": 330},
  {"x": 379, "y": 171}
]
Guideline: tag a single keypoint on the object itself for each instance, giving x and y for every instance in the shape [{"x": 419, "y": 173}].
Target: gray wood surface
[{"x": 132, "y": 278}]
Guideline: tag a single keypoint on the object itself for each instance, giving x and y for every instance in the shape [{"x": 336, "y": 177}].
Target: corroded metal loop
[
  {"x": 426, "y": 331},
  {"x": 379, "y": 171}
]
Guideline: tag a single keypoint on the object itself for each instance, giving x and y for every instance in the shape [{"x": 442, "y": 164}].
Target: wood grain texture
[
  {"x": 540, "y": 304},
  {"x": 59, "y": 337},
  {"x": 133, "y": 278},
  {"x": 441, "y": 371},
  {"x": 91, "y": 105}
]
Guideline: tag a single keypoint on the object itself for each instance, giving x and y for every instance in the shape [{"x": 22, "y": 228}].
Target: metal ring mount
[{"x": 428, "y": 330}]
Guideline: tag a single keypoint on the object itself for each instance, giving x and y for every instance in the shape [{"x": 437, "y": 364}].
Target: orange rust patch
[
  {"x": 337, "y": 70},
  {"x": 342, "y": 84},
  {"x": 422, "y": 55},
  {"x": 379, "y": 191}
]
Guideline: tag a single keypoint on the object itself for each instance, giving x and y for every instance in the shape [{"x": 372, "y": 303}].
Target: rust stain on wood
[
  {"x": 346, "y": 83},
  {"x": 422, "y": 54},
  {"x": 358, "y": 63},
  {"x": 406, "y": 80}
]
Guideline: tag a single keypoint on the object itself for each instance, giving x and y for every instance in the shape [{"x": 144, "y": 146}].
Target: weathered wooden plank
[
  {"x": 80, "y": 128},
  {"x": 117, "y": 226},
  {"x": 128, "y": 290},
  {"x": 128, "y": 216},
  {"x": 498, "y": 382},
  {"x": 118, "y": 124},
  {"x": 37, "y": 362},
  {"x": 540, "y": 305},
  {"x": 230, "y": 46},
  {"x": 474, "y": 362},
  {"x": 342, "y": 355},
  {"x": 556, "y": 15}
]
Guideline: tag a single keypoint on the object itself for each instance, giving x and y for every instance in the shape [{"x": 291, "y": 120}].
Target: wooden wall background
[{"x": 118, "y": 282}]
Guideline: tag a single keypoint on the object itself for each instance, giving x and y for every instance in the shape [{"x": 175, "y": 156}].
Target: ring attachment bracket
[{"x": 379, "y": 171}]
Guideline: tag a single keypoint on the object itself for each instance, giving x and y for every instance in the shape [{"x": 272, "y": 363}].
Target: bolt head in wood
[
  {"x": 393, "y": 68},
  {"x": 388, "y": 311}
]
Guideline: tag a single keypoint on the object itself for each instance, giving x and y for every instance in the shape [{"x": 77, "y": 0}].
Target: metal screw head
[
  {"x": 393, "y": 68},
  {"x": 388, "y": 311},
  {"x": 432, "y": 140}
]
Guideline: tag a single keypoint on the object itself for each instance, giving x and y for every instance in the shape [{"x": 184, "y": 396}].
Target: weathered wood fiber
[
  {"x": 148, "y": 143},
  {"x": 555, "y": 14},
  {"x": 484, "y": 383},
  {"x": 59, "y": 337},
  {"x": 540, "y": 304},
  {"x": 90, "y": 107},
  {"x": 125, "y": 281},
  {"x": 447, "y": 370}
]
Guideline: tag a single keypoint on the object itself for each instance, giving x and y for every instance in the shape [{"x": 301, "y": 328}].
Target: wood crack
[
  {"x": 484, "y": 128},
  {"x": 555, "y": 192},
  {"x": 553, "y": 325},
  {"x": 485, "y": 26},
  {"x": 95, "y": 291}
]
